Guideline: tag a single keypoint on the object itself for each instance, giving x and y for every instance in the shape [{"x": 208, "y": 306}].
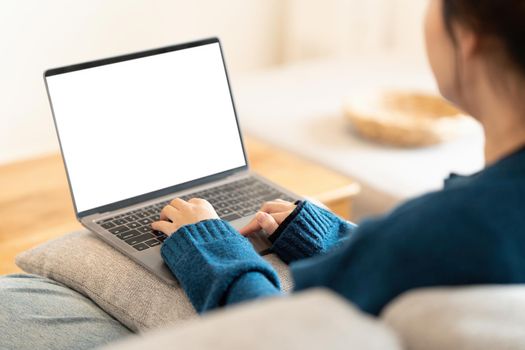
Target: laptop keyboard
[{"x": 231, "y": 201}]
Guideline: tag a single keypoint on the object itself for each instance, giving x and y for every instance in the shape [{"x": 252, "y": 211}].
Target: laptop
[{"x": 138, "y": 130}]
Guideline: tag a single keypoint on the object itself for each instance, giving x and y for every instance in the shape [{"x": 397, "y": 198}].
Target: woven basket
[{"x": 407, "y": 119}]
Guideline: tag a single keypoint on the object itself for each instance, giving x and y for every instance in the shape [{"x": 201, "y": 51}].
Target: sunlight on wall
[{"x": 348, "y": 27}]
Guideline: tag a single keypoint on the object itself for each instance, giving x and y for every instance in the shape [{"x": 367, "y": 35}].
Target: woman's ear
[{"x": 468, "y": 43}]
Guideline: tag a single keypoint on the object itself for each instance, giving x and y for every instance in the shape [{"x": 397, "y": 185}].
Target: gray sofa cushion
[
  {"x": 468, "y": 318},
  {"x": 118, "y": 285},
  {"x": 313, "y": 320}
]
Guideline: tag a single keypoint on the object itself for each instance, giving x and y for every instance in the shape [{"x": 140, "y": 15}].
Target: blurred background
[
  {"x": 294, "y": 66},
  {"x": 256, "y": 34}
]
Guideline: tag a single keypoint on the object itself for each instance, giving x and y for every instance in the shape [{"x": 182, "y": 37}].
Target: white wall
[
  {"x": 38, "y": 34},
  {"x": 316, "y": 28}
]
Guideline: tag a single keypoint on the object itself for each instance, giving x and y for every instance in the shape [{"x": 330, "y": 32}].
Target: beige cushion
[
  {"x": 118, "y": 285},
  {"x": 469, "y": 318},
  {"x": 313, "y": 320}
]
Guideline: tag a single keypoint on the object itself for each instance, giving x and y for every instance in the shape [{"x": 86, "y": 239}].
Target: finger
[
  {"x": 168, "y": 213},
  {"x": 178, "y": 203},
  {"x": 275, "y": 207},
  {"x": 251, "y": 227},
  {"x": 165, "y": 227},
  {"x": 197, "y": 201},
  {"x": 280, "y": 217},
  {"x": 267, "y": 222},
  {"x": 254, "y": 226}
]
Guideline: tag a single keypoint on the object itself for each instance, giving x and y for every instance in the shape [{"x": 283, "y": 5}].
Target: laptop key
[
  {"x": 139, "y": 239},
  {"x": 119, "y": 229},
  {"x": 129, "y": 234},
  {"x": 141, "y": 246},
  {"x": 237, "y": 208},
  {"x": 145, "y": 221},
  {"x": 131, "y": 218},
  {"x": 224, "y": 211},
  {"x": 107, "y": 225},
  {"x": 133, "y": 225},
  {"x": 248, "y": 212},
  {"x": 152, "y": 242},
  {"x": 145, "y": 229},
  {"x": 119, "y": 221},
  {"x": 231, "y": 217}
]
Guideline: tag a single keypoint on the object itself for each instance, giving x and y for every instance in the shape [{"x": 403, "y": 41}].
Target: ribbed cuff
[
  {"x": 310, "y": 231},
  {"x": 208, "y": 257},
  {"x": 206, "y": 231}
]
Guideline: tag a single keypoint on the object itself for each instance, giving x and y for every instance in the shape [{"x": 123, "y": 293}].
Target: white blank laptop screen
[{"x": 138, "y": 126}]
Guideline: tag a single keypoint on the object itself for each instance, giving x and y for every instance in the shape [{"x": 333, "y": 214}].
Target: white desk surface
[{"x": 299, "y": 108}]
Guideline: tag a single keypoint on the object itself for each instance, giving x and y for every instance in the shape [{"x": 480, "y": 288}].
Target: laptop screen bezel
[{"x": 165, "y": 191}]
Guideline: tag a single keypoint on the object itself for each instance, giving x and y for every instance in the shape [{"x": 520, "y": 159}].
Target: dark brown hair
[{"x": 500, "y": 19}]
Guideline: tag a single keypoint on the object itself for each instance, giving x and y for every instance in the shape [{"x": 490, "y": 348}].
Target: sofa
[
  {"x": 463, "y": 318},
  {"x": 476, "y": 317}
]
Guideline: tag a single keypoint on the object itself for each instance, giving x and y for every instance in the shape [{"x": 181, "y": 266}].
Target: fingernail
[{"x": 259, "y": 216}]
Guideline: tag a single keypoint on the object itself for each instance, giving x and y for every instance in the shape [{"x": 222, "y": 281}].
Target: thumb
[{"x": 267, "y": 222}]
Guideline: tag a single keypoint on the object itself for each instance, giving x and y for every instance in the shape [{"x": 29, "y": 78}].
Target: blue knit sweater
[{"x": 472, "y": 232}]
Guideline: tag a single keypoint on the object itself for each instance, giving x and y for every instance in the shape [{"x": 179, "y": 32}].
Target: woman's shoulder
[
  {"x": 486, "y": 219},
  {"x": 444, "y": 204},
  {"x": 468, "y": 199},
  {"x": 456, "y": 211}
]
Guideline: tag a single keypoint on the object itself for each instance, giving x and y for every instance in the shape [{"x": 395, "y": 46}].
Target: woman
[{"x": 472, "y": 232}]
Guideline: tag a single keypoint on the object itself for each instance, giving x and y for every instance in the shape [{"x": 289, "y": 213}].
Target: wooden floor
[{"x": 35, "y": 204}]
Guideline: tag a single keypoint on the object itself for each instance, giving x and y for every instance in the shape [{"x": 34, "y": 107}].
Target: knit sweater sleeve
[
  {"x": 309, "y": 231},
  {"x": 216, "y": 265}
]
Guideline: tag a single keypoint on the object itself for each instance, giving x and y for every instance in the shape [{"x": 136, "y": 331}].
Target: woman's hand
[
  {"x": 269, "y": 217},
  {"x": 183, "y": 213}
]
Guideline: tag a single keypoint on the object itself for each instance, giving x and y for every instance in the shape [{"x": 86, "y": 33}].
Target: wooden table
[{"x": 35, "y": 204}]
